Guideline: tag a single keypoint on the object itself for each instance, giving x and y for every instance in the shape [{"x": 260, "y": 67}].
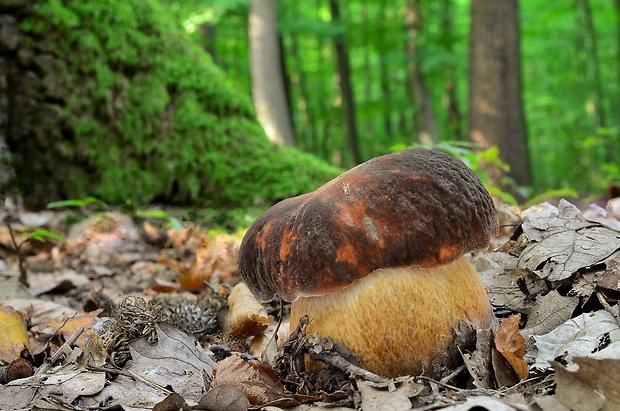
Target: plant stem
[{"x": 23, "y": 276}]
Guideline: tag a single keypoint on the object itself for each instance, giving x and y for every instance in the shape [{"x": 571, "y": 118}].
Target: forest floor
[{"x": 118, "y": 313}]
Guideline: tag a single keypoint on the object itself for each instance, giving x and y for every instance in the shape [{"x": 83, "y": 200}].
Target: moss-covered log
[{"x": 111, "y": 99}]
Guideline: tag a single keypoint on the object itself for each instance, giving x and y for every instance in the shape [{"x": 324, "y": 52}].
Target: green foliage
[
  {"x": 153, "y": 118},
  {"x": 171, "y": 221},
  {"x": 42, "y": 236},
  {"x": 36, "y": 235},
  {"x": 77, "y": 203},
  {"x": 547, "y": 195},
  {"x": 567, "y": 146}
]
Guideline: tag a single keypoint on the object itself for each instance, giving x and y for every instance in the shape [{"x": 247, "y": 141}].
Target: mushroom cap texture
[{"x": 411, "y": 208}]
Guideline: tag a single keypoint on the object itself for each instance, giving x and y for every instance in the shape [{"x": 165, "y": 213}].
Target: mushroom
[{"x": 376, "y": 259}]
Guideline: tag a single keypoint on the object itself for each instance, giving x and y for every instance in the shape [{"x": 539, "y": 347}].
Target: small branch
[
  {"x": 606, "y": 306},
  {"x": 23, "y": 276},
  {"x": 453, "y": 374},
  {"x": 354, "y": 371},
  {"x": 130, "y": 374},
  {"x": 64, "y": 351}
]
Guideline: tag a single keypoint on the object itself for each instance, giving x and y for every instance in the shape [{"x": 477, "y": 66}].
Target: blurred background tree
[{"x": 414, "y": 80}]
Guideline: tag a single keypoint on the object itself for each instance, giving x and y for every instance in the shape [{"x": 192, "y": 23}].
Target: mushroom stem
[{"x": 401, "y": 321}]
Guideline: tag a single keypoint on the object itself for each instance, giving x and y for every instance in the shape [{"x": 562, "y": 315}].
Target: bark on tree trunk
[
  {"x": 208, "y": 34},
  {"x": 495, "y": 102},
  {"x": 590, "y": 46},
  {"x": 617, "y": 3},
  {"x": 384, "y": 74},
  {"x": 454, "y": 112},
  {"x": 308, "y": 123},
  {"x": 426, "y": 119},
  {"x": 344, "y": 80},
  {"x": 367, "y": 127},
  {"x": 268, "y": 90}
]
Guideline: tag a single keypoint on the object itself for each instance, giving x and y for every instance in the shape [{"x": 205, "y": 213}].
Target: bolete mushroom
[{"x": 376, "y": 259}]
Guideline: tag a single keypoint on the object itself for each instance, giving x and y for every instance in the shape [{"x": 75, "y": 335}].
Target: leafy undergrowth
[{"x": 129, "y": 314}]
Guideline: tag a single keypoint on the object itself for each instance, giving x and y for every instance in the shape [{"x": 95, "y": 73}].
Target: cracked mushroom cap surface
[{"x": 415, "y": 207}]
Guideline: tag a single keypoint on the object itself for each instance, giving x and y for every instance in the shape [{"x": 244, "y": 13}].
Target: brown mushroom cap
[{"x": 412, "y": 208}]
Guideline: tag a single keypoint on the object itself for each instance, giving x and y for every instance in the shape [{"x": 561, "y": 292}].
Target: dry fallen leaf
[
  {"x": 68, "y": 326},
  {"x": 480, "y": 404},
  {"x": 549, "y": 311},
  {"x": 478, "y": 362},
  {"x": 562, "y": 242},
  {"x": 594, "y": 386},
  {"x": 511, "y": 288},
  {"x": 216, "y": 260},
  {"x": 65, "y": 385},
  {"x": 511, "y": 344},
  {"x": 100, "y": 238},
  {"x": 246, "y": 317},
  {"x": 385, "y": 399},
  {"x": 610, "y": 278},
  {"x": 259, "y": 383},
  {"x": 224, "y": 398},
  {"x": 595, "y": 335},
  {"x": 13, "y": 335},
  {"x": 176, "y": 360}
]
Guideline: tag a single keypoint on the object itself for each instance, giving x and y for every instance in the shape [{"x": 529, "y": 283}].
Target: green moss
[{"x": 149, "y": 117}]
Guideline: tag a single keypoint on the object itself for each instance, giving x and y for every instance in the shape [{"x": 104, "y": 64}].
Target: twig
[
  {"x": 443, "y": 384},
  {"x": 453, "y": 374},
  {"x": 130, "y": 374},
  {"x": 23, "y": 276},
  {"x": 354, "y": 371},
  {"x": 606, "y": 306},
  {"x": 64, "y": 350}
]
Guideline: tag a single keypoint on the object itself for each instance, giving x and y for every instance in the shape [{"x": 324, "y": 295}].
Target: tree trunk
[
  {"x": 208, "y": 34},
  {"x": 368, "y": 125},
  {"x": 344, "y": 81},
  {"x": 454, "y": 112},
  {"x": 268, "y": 91},
  {"x": 286, "y": 80},
  {"x": 617, "y": 104},
  {"x": 384, "y": 75},
  {"x": 308, "y": 124},
  {"x": 590, "y": 46},
  {"x": 426, "y": 119},
  {"x": 495, "y": 102}
]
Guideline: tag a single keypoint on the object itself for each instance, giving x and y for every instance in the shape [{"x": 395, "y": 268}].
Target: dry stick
[
  {"x": 443, "y": 384},
  {"x": 63, "y": 351},
  {"x": 340, "y": 363},
  {"x": 606, "y": 306},
  {"x": 23, "y": 276},
  {"x": 130, "y": 374},
  {"x": 453, "y": 374}
]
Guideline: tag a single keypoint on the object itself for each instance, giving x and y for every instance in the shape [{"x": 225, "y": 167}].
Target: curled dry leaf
[
  {"x": 246, "y": 317},
  {"x": 173, "y": 402},
  {"x": 261, "y": 341},
  {"x": 13, "y": 335},
  {"x": 259, "y": 382},
  {"x": 511, "y": 344},
  {"x": 593, "y": 386},
  {"x": 68, "y": 326},
  {"x": 216, "y": 260},
  {"x": 595, "y": 335},
  {"x": 225, "y": 398}
]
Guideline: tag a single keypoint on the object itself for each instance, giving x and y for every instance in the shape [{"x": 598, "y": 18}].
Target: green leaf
[
  {"x": 77, "y": 203},
  {"x": 503, "y": 195},
  {"x": 175, "y": 223},
  {"x": 42, "y": 235}
]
